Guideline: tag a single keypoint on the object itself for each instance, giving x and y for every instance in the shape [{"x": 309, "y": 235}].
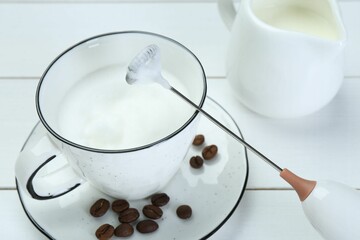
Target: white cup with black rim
[{"x": 124, "y": 140}]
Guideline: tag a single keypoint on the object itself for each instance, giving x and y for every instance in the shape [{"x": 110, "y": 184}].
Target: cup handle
[
  {"x": 227, "y": 12},
  {"x": 29, "y": 163}
]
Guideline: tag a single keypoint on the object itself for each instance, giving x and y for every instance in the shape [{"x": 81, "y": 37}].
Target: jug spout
[{"x": 333, "y": 16}]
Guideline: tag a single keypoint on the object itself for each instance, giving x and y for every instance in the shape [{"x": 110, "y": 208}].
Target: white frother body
[{"x": 334, "y": 210}]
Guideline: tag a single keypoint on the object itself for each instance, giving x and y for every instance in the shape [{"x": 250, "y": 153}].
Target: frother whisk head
[{"x": 145, "y": 68}]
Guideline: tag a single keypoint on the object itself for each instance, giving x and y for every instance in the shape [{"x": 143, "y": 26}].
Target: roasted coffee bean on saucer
[
  {"x": 129, "y": 215},
  {"x": 160, "y": 199},
  {"x": 100, "y": 207},
  {"x": 105, "y": 232},
  {"x": 184, "y": 211},
  {"x": 147, "y": 226},
  {"x": 198, "y": 140},
  {"x": 196, "y": 162},
  {"x": 152, "y": 211},
  {"x": 120, "y": 205},
  {"x": 209, "y": 152},
  {"x": 124, "y": 230}
]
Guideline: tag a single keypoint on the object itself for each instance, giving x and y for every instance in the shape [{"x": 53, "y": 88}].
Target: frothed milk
[{"x": 102, "y": 111}]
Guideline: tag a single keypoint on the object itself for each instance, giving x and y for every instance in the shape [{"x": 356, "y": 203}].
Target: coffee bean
[
  {"x": 100, "y": 207},
  {"x": 120, "y": 205},
  {"x": 124, "y": 230},
  {"x": 104, "y": 232},
  {"x": 198, "y": 140},
  {"x": 160, "y": 199},
  {"x": 152, "y": 211},
  {"x": 209, "y": 152},
  {"x": 184, "y": 211},
  {"x": 196, "y": 162},
  {"x": 147, "y": 226},
  {"x": 129, "y": 215}
]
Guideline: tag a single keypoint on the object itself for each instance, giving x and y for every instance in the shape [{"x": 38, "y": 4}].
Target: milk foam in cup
[
  {"x": 102, "y": 111},
  {"x": 126, "y": 141}
]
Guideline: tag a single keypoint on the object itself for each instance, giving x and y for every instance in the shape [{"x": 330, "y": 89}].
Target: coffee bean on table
[
  {"x": 124, "y": 230},
  {"x": 104, "y": 232},
  {"x": 160, "y": 199},
  {"x": 129, "y": 215},
  {"x": 184, "y": 211},
  {"x": 209, "y": 152},
  {"x": 120, "y": 205},
  {"x": 196, "y": 162},
  {"x": 100, "y": 207},
  {"x": 198, "y": 140},
  {"x": 152, "y": 211},
  {"x": 147, "y": 226}
]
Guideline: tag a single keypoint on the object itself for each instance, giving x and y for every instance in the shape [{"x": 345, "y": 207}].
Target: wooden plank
[
  {"x": 17, "y": 118},
  {"x": 122, "y": 1},
  {"x": 34, "y": 34},
  {"x": 13, "y": 220},
  {"x": 268, "y": 215},
  {"x": 324, "y": 145},
  {"x": 321, "y": 146},
  {"x": 37, "y": 33},
  {"x": 260, "y": 215},
  {"x": 350, "y": 13}
]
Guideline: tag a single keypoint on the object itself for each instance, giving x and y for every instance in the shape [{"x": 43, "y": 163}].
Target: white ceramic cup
[{"x": 122, "y": 173}]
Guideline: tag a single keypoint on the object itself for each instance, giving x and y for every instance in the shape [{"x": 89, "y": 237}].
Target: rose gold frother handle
[{"x": 303, "y": 187}]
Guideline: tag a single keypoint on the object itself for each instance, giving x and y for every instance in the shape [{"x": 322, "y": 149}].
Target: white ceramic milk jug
[{"x": 285, "y": 57}]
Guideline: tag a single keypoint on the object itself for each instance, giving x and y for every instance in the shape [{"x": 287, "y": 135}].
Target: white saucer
[{"x": 213, "y": 192}]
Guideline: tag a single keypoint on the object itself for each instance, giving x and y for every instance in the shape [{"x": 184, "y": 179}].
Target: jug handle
[{"x": 227, "y": 12}]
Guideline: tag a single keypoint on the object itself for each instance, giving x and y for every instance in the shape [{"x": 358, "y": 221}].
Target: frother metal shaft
[
  {"x": 244, "y": 143},
  {"x": 146, "y": 68}
]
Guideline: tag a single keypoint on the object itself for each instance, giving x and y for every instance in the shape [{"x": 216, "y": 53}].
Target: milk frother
[{"x": 332, "y": 208}]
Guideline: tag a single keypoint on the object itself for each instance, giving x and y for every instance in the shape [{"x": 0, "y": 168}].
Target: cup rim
[{"x": 98, "y": 150}]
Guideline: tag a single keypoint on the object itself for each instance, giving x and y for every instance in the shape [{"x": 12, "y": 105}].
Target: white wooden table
[{"x": 324, "y": 145}]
